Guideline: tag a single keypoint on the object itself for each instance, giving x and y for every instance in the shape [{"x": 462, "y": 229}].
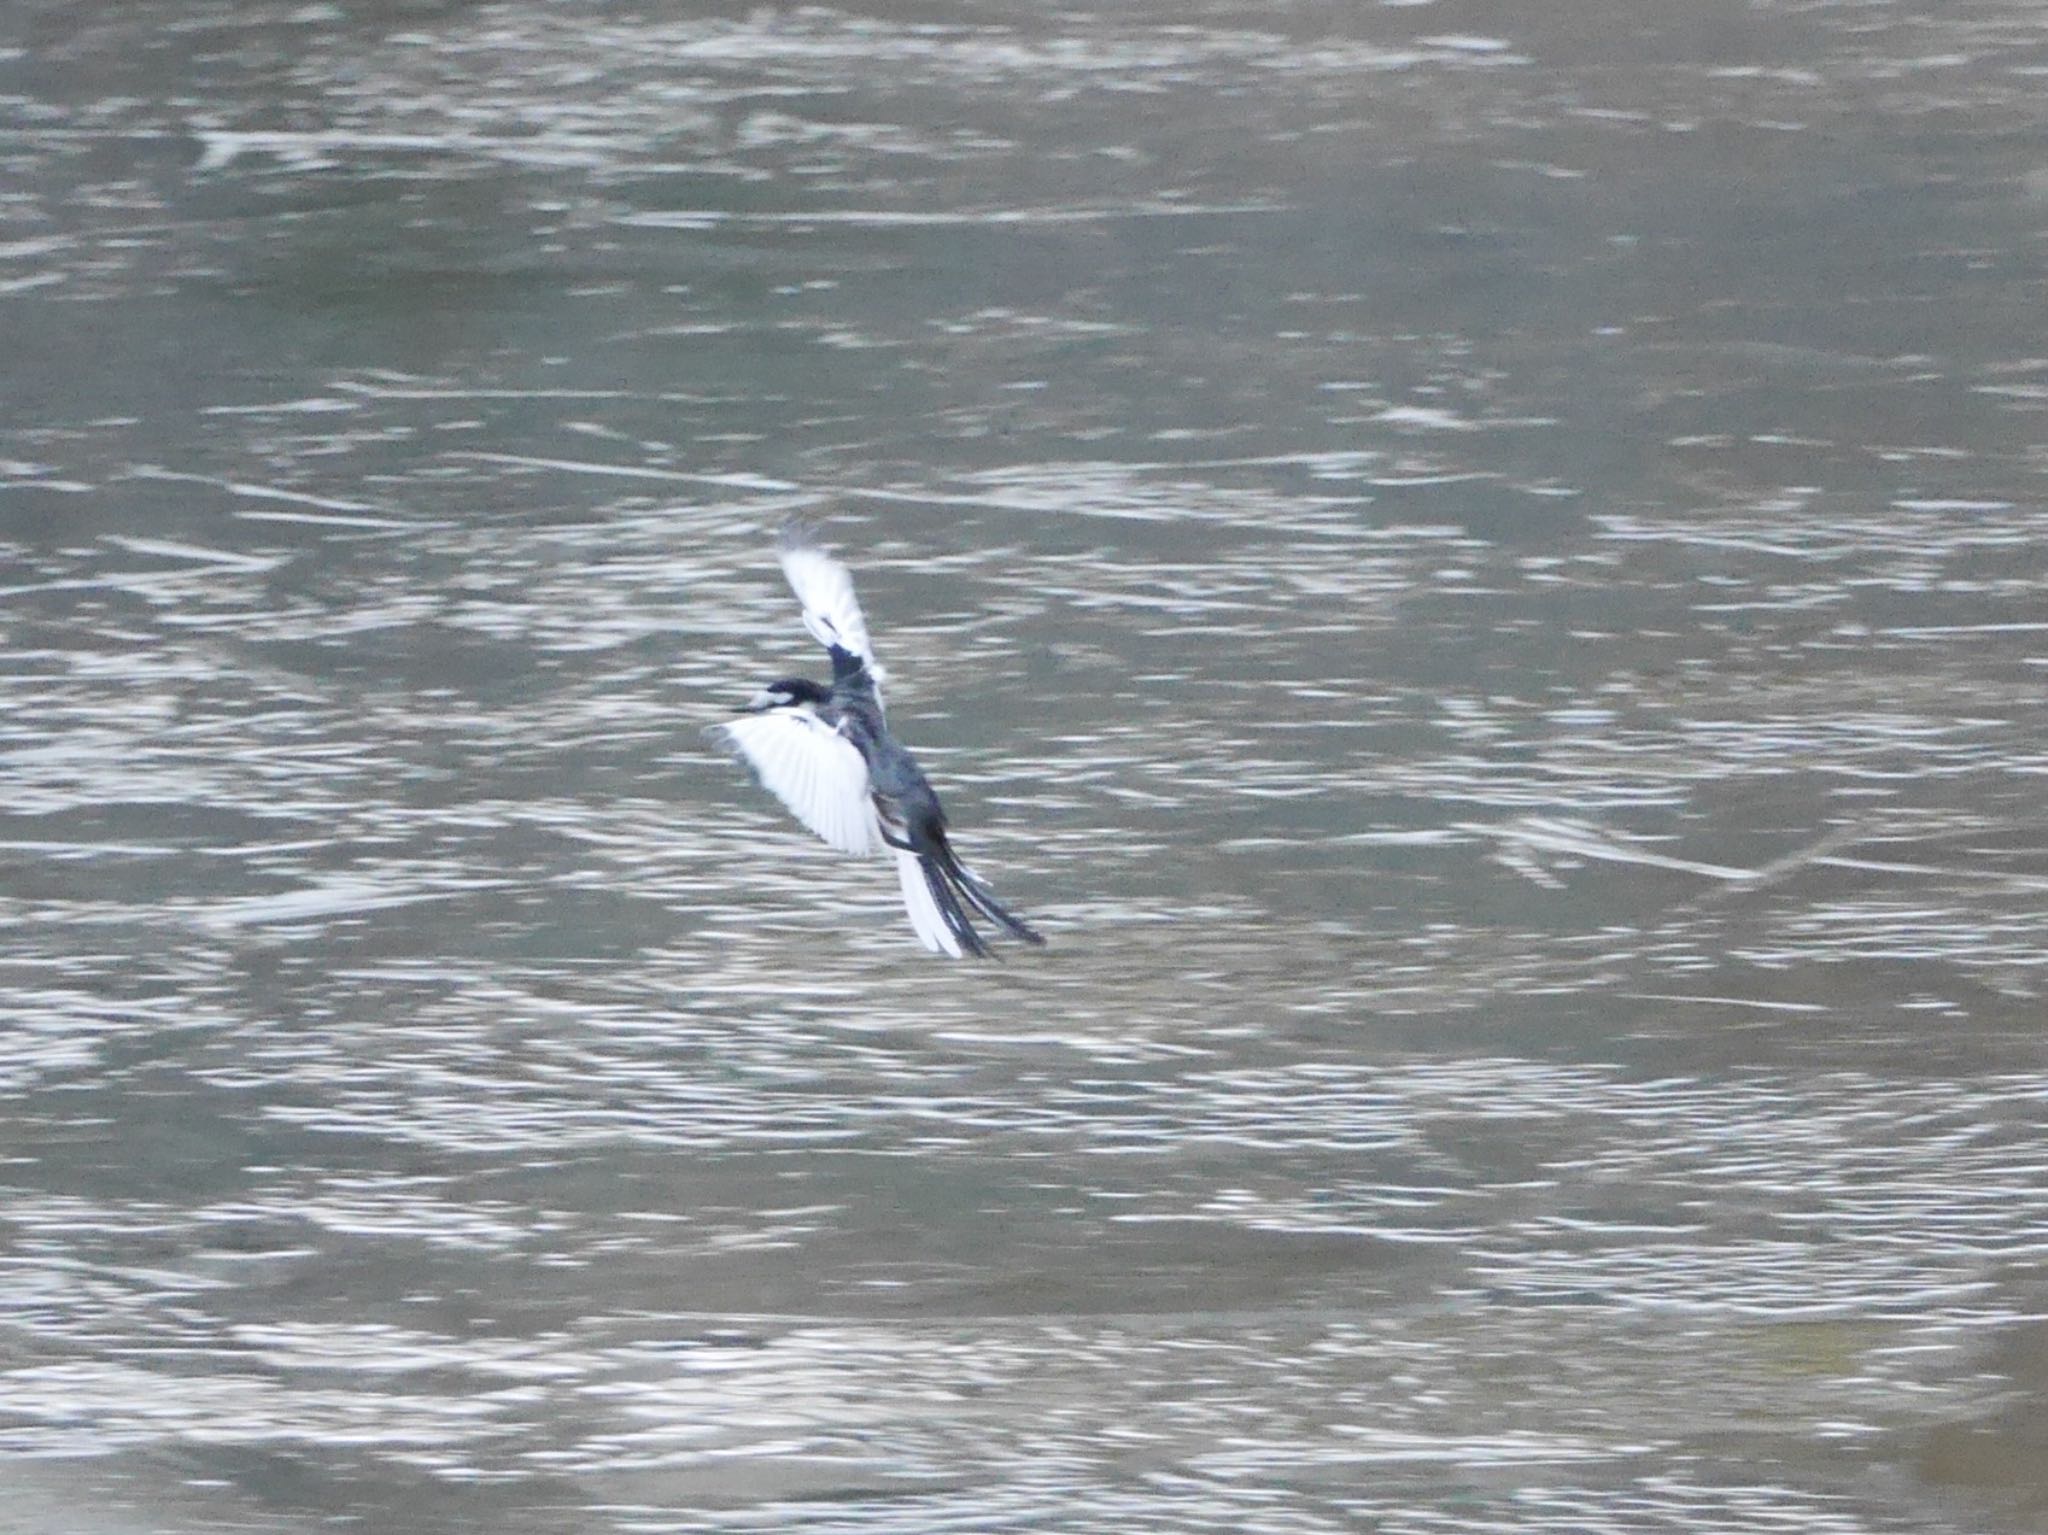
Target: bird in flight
[{"x": 827, "y": 754}]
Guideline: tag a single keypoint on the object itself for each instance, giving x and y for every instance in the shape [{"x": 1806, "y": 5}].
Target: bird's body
[{"x": 826, "y": 752}]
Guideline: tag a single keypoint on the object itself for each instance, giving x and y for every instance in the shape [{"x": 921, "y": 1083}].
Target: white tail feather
[{"x": 925, "y": 916}]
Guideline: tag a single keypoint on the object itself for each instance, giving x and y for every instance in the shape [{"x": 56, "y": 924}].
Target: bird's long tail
[
  {"x": 935, "y": 911},
  {"x": 941, "y": 893},
  {"x": 965, "y": 883}
]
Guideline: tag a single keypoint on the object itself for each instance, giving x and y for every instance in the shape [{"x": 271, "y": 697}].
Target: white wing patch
[
  {"x": 812, "y": 769},
  {"x": 924, "y": 910},
  {"x": 825, "y": 588}
]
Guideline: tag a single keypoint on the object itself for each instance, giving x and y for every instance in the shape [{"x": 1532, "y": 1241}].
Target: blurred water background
[{"x": 1480, "y": 571}]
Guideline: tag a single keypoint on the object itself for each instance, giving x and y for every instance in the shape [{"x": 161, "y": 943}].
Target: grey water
[{"x": 1482, "y": 572}]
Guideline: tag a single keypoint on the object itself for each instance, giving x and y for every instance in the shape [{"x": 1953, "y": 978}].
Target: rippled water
[{"x": 1481, "y": 576}]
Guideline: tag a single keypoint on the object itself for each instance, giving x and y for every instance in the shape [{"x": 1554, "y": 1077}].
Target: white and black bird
[{"x": 827, "y": 754}]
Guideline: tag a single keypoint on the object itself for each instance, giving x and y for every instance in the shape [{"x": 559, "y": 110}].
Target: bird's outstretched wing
[
  {"x": 812, "y": 769},
  {"x": 825, "y": 588}
]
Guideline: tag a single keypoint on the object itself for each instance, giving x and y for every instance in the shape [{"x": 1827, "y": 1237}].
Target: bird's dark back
[{"x": 892, "y": 771}]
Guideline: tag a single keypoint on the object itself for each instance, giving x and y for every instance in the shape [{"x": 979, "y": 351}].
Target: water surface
[{"x": 1484, "y": 587}]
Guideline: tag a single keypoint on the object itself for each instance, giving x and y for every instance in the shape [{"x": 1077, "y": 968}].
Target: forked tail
[
  {"x": 967, "y": 884},
  {"x": 935, "y": 910},
  {"x": 940, "y": 892}
]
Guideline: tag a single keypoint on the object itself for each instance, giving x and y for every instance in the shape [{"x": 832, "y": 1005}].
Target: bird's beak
[{"x": 761, "y": 701}]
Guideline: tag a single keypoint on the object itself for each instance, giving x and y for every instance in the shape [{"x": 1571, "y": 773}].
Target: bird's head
[{"x": 786, "y": 693}]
